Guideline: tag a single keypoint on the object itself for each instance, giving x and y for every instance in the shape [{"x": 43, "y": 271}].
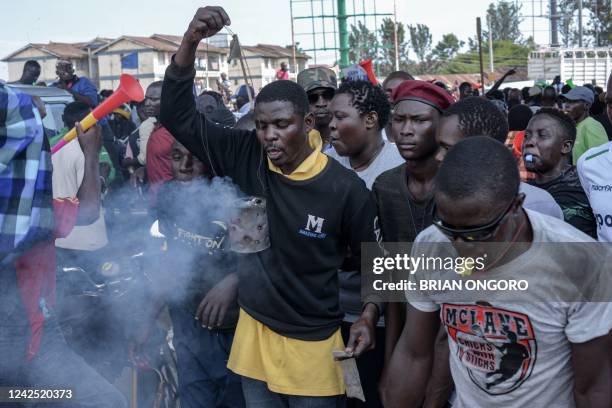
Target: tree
[
  {"x": 387, "y": 40},
  {"x": 420, "y": 38},
  {"x": 363, "y": 43},
  {"x": 598, "y": 29},
  {"x": 567, "y": 24},
  {"x": 447, "y": 47},
  {"x": 505, "y": 20},
  {"x": 506, "y": 54}
]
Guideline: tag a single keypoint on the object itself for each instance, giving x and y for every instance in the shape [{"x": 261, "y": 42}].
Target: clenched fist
[{"x": 207, "y": 22}]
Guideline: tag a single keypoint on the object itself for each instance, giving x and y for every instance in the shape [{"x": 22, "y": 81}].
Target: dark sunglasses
[
  {"x": 327, "y": 94},
  {"x": 473, "y": 234}
]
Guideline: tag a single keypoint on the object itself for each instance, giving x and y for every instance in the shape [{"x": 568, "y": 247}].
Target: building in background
[
  {"x": 81, "y": 54},
  {"x": 210, "y": 62},
  {"x": 103, "y": 60},
  {"x": 263, "y": 60}
]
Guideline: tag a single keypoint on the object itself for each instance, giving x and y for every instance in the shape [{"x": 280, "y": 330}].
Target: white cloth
[
  {"x": 68, "y": 172},
  {"x": 595, "y": 173},
  {"x": 144, "y": 131},
  {"x": 388, "y": 158}
]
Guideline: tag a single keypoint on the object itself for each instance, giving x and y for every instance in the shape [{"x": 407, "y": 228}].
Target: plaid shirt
[{"x": 26, "y": 214}]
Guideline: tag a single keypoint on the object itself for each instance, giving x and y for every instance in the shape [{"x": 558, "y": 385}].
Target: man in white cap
[{"x": 590, "y": 133}]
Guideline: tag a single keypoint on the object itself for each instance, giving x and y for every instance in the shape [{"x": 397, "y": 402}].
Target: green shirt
[
  {"x": 589, "y": 133},
  {"x": 104, "y": 156}
]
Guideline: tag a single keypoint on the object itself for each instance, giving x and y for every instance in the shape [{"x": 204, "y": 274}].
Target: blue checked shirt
[{"x": 26, "y": 212}]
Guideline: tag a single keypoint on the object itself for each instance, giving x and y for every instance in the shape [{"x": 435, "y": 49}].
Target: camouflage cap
[{"x": 319, "y": 77}]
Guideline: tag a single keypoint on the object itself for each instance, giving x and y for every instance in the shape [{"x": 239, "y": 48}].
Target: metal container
[{"x": 248, "y": 230}]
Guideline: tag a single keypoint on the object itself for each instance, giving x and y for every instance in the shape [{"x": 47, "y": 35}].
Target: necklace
[
  {"x": 412, "y": 211},
  {"x": 370, "y": 160}
]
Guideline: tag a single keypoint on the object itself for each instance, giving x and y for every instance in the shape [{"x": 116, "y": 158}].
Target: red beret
[{"x": 424, "y": 92}]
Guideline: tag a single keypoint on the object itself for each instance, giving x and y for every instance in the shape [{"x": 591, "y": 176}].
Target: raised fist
[{"x": 207, "y": 22}]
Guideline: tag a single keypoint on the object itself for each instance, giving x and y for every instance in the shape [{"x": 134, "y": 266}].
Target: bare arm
[
  {"x": 440, "y": 384},
  {"x": 499, "y": 82},
  {"x": 90, "y": 190},
  {"x": 405, "y": 378},
  {"x": 362, "y": 336},
  {"x": 394, "y": 321},
  {"x": 592, "y": 372}
]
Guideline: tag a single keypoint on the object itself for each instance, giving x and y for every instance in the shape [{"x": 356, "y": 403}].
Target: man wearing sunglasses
[
  {"x": 320, "y": 85},
  {"x": 503, "y": 351}
]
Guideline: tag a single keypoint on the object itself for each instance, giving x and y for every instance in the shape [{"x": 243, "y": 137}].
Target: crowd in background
[{"x": 403, "y": 153}]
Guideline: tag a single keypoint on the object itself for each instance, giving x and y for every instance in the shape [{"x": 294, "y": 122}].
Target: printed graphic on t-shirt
[
  {"x": 313, "y": 227},
  {"x": 210, "y": 244},
  {"x": 497, "y": 347}
]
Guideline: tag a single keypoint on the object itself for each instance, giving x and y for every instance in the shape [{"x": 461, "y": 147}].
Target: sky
[{"x": 255, "y": 21}]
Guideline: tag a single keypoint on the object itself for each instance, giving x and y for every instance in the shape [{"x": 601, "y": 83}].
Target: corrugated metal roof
[
  {"x": 273, "y": 51},
  {"x": 65, "y": 50},
  {"x": 60, "y": 50},
  {"x": 161, "y": 42},
  {"x": 176, "y": 39}
]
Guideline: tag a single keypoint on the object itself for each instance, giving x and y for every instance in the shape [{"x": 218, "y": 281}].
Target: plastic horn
[
  {"x": 129, "y": 90},
  {"x": 367, "y": 66}
]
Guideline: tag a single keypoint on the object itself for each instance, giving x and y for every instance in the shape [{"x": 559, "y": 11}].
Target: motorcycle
[{"x": 97, "y": 312}]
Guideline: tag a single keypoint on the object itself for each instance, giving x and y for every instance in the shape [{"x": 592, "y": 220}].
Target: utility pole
[
  {"x": 580, "y": 23},
  {"x": 533, "y": 20},
  {"x": 343, "y": 33},
  {"x": 479, "y": 34},
  {"x": 554, "y": 18},
  {"x": 294, "y": 63},
  {"x": 491, "y": 68},
  {"x": 395, "y": 36}
]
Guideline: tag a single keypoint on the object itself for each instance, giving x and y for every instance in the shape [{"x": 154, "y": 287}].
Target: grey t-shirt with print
[{"x": 512, "y": 353}]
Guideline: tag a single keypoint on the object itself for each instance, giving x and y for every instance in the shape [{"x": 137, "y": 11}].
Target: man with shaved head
[{"x": 504, "y": 352}]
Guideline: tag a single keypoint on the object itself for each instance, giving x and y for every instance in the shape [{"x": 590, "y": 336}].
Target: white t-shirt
[
  {"x": 595, "y": 173},
  {"x": 508, "y": 353},
  {"x": 67, "y": 176},
  {"x": 144, "y": 131},
  {"x": 388, "y": 158}
]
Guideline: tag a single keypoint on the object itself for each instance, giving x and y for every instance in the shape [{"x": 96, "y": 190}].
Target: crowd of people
[{"x": 337, "y": 163}]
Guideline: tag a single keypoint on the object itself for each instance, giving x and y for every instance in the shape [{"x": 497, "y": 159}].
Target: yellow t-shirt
[{"x": 289, "y": 366}]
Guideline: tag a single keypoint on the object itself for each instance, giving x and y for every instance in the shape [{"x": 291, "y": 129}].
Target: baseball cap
[
  {"x": 579, "y": 93},
  {"x": 424, "y": 92},
  {"x": 242, "y": 91},
  {"x": 318, "y": 77}
]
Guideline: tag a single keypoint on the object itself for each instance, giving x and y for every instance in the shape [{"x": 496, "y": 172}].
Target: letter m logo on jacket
[{"x": 314, "y": 223}]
